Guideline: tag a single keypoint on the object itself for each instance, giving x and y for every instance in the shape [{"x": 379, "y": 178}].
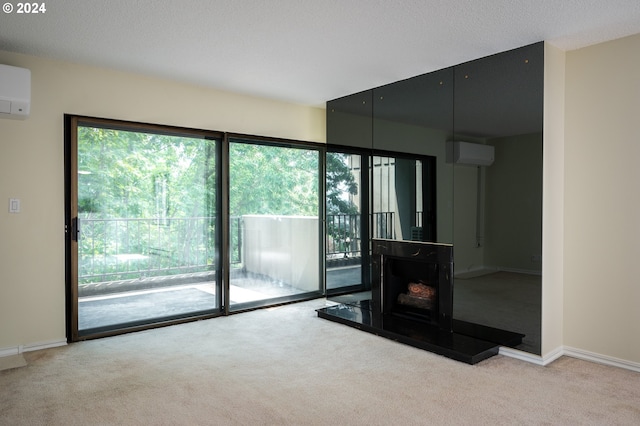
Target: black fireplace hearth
[{"x": 412, "y": 302}]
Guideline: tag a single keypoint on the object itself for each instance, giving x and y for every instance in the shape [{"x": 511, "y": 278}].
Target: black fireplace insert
[{"x": 413, "y": 280}]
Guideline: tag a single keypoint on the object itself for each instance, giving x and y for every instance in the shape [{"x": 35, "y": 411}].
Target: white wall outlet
[{"x": 14, "y": 205}]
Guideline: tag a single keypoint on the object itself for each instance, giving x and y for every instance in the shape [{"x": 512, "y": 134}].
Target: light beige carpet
[
  {"x": 13, "y": 361},
  {"x": 285, "y": 366}
]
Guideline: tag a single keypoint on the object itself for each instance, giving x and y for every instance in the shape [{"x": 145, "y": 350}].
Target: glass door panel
[
  {"x": 148, "y": 226},
  {"x": 345, "y": 229},
  {"x": 273, "y": 223}
]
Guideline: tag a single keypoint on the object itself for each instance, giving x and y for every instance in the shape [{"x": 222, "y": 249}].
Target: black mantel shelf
[{"x": 470, "y": 343}]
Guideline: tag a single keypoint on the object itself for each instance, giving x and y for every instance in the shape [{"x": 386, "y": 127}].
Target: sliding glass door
[
  {"x": 167, "y": 224},
  {"x": 274, "y": 227},
  {"x": 145, "y": 225}
]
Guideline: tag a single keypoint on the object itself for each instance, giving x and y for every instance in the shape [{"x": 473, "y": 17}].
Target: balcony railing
[
  {"x": 126, "y": 248},
  {"x": 344, "y": 230}
]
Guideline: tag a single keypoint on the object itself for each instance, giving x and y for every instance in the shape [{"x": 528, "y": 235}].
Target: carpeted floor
[
  {"x": 286, "y": 366},
  {"x": 12, "y": 361}
]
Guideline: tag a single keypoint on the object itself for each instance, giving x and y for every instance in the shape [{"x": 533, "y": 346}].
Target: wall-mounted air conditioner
[
  {"x": 15, "y": 92},
  {"x": 470, "y": 153}
]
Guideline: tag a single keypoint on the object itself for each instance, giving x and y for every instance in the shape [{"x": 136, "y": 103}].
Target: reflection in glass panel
[
  {"x": 147, "y": 213},
  {"x": 415, "y": 116},
  {"x": 344, "y": 243},
  {"x": 498, "y": 207},
  {"x": 397, "y": 198},
  {"x": 349, "y": 120},
  {"x": 274, "y": 228}
]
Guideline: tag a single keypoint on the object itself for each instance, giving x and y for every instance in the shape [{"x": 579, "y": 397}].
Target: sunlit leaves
[
  {"x": 119, "y": 173},
  {"x": 273, "y": 180}
]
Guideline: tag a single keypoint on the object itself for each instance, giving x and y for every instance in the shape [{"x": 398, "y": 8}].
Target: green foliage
[
  {"x": 340, "y": 184},
  {"x": 343, "y": 220},
  {"x": 148, "y": 193},
  {"x": 272, "y": 180},
  {"x": 140, "y": 193},
  {"x": 135, "y": 174}
]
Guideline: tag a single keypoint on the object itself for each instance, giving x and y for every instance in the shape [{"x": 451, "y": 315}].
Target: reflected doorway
[{"x": 372, "y": 196}]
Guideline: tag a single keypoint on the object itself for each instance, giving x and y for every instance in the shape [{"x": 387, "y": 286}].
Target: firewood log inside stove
[
  {"x": 419, "y": 295},
  {"x": 421, "y": 289}
]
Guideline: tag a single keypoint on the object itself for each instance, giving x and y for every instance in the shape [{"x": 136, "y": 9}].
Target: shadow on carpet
[{"x": 145, "y": 306}]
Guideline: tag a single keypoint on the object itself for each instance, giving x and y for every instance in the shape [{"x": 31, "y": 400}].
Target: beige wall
[
  {"x": 32, "y": 309},
  {"x": 553, "y": 201},
  {"x": 602, "y": 199}
]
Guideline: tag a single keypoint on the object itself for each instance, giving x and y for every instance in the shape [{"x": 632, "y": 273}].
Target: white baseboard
[
  {"x": 571, "y": 352},
  {"x": 15, "y": 350},
  {"x": 526, "y": 356},
  {"x": 9, "y": 351},
  {"x": 601, "y": 359}
]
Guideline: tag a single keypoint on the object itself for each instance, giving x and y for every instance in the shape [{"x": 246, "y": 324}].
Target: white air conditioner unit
[
  {"x": 470, "y": 153},
  {"x": 15, "y": 92}
]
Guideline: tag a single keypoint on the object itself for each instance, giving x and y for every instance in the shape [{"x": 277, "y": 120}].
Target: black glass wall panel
[
  {"x": 497, "y": 217},
  {"x": 500, "y": 95},
  {"x": 349, "y": 120},
  {"x": 402, "y": 197},
  {"x": 492, "y": 214},
  {"x": 416, "y": 116}
]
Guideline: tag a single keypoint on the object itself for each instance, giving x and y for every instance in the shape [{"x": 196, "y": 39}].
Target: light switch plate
[{"x": 14, "y": 205}]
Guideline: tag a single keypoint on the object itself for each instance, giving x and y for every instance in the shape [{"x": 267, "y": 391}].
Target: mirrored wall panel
[
  {"x": 416, "y": 116},
  {"x": 349, "y": 120},
  {"x": 498, "y": 109},
  {"x": 456, "y": 155},
  {"x": 399, "y": 199}
]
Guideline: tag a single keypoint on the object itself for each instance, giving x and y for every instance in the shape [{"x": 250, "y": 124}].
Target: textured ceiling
[{"x": 304, "y": 51}]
